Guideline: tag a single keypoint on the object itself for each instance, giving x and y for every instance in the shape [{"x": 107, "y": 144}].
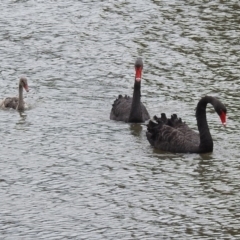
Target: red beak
[
  {"x": 138, "y": 74},
  {"x": 223, "y": 117}
]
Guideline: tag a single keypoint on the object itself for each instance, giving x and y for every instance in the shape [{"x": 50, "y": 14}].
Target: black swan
[
  {"x": 129, "y": 109},
  {"x": 173, "y": 135},
  {"x": 16, "y": 102}
]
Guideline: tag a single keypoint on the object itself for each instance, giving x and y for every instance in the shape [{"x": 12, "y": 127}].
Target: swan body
[
  {"x": 122, "y": 108},
  {"x": 17, "y": 102},
  {"x": 173, "y": 135},
  {"x": 131, "y": 109}
]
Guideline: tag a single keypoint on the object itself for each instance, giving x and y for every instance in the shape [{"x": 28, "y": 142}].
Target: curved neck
[
  {"x": 136, "y": 110},
  {"x": 206, "y": 142},
  {"x": 20, "y": 98}
]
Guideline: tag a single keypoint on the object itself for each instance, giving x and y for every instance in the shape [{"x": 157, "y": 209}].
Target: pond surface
[{"x": 66, "y": 170}]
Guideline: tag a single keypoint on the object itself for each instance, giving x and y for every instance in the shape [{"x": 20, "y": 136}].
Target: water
[{"x": 67, "y": 171}]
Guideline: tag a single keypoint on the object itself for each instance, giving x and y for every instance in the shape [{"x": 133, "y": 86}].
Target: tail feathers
[
  {"x": 162, "y": 119},
  {"x": 153, "y": 129},
  {"x": 117, "y": 100},
  {"x": 154, "y": 126},
  {"x": 174, "y": 121}
]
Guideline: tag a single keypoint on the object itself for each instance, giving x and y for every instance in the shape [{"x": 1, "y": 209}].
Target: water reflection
[
  {"x": 22, "y": 119},
  {"x": 203, "y": 167},
  {"x": 136, "y": 129},
  {"x": 206, "y": 156}
]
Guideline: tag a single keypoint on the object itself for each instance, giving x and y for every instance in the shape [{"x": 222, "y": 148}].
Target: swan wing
[
  {"x": 10, "y": 102},
  {"x": 179, "y": 138},
  {"x": 121, "y": 108}
]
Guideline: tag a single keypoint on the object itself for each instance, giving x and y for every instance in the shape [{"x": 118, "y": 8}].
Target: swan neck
[
  {"x": 20, "y": 98},
  {"x": 136, "y": 111},
  {"x": 206, "y": 142}
]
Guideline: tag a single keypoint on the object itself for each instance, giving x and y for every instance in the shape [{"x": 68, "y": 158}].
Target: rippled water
[{"x": 67, "y": 171}]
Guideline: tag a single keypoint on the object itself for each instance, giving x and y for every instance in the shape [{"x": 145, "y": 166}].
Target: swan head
[
  {"x": 138, "y": 68},
  {"x": 23, "y": 82}
]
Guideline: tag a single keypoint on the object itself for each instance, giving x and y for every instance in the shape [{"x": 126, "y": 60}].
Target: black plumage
[
  {"x": 131, "y": 109},
  {"x": 173, "y": 135}
]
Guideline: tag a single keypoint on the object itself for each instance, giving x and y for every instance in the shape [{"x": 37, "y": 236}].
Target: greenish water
[{"x": 67, "y": 171}]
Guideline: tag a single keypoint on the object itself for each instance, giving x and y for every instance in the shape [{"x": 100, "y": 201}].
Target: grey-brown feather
[
  {"x": 16, "y": 102},
  {"x": 11, "y": 102}
]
